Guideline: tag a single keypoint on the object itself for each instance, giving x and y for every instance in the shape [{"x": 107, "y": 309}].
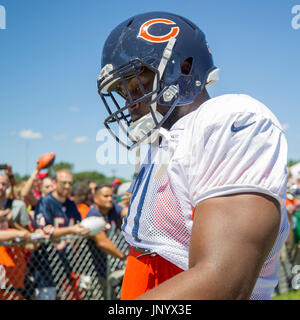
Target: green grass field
[{"x": 292, "y": 295}]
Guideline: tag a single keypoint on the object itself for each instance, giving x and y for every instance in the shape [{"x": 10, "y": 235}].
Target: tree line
[
  {"x": 96, "y": 176},
  {"x": 78, "y": 177}
]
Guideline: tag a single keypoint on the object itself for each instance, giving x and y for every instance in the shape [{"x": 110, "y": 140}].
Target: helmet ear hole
[{"x": 186, "y": 66}]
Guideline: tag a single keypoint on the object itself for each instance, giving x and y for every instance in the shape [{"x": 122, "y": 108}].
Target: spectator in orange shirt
[
  {"x": 83, "y": 198},
  {"x": 12, "y": 260},
  {"x": 12, "y": 265}
]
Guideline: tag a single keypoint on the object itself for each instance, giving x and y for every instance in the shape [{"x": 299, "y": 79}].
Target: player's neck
[{"x": 182, "y": 111}]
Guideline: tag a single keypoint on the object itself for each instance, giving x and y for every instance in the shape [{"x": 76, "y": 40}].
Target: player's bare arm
[{"x": 231, "y": 239}]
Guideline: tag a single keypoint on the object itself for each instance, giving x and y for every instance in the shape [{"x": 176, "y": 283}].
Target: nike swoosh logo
[{"x": 237, "y": 129}]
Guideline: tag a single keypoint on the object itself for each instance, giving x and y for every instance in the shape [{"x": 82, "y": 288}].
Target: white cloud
[
  {"x": 74, "y": 109},
  {"x": 29, "y": 134},
  {"x": 285, "y": 126},
  {"x": 82, "y": 139},
  {"x": 59, "y": 137}
]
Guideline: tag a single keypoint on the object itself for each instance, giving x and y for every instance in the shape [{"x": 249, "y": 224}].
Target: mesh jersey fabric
[{"x": 230, "y": 144}]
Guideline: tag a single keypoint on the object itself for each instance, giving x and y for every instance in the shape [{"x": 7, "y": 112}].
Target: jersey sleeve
[{"x": 244, "y": 152}]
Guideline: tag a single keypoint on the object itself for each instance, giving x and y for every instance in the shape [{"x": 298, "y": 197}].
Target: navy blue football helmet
[{"x": 163, "y": 43}]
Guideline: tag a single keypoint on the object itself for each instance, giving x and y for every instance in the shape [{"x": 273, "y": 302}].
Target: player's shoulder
[
  {"x": 217, "y": 109},
  {"x": 229, "y": 104}
]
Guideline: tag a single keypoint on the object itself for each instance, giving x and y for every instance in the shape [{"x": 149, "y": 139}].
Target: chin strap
[
  {"x": 171, "y": 149},
  {"x": 162, "y": 66},
  {"x": 162, "y": 132}
]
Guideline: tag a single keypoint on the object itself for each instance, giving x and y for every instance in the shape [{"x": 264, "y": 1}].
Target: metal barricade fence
[
  {"x": 289, "y": 270},
  {"x": 68, "y": 268},
  {"x": 73, "y": 268}
]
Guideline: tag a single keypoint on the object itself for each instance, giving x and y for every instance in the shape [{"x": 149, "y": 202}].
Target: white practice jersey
[{"x": 230, "y": 144}]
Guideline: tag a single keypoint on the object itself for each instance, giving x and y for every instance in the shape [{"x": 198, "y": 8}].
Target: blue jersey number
[{"x": 138, "y": 182}]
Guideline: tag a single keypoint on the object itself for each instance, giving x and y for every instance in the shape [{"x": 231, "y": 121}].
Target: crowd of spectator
[
  {"x": 53, "y": 207},
  {"x": 293, "y": 211}
]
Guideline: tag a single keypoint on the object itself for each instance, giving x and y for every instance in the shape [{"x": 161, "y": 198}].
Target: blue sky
[{"x": 50, "y": 55}]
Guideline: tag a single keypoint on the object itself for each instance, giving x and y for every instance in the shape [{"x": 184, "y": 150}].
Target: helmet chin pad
[
  {"x": 144, "y": 125},
  {"x": 212, "y": 77}
]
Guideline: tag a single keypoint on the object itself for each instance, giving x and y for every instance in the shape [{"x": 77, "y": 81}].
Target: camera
[{"x": 3, "y": 166}]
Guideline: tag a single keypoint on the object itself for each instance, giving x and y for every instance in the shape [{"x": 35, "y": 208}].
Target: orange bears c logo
[{"x": 144, "y": 33}]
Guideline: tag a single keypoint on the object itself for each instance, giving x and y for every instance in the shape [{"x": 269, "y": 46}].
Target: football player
[{"x": 207, "y": 216}]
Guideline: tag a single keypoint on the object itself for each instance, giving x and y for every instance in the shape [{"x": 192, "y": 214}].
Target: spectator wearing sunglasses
[
  {"x": 57, "y": 216},
  {"x": 57, "y": 210}
]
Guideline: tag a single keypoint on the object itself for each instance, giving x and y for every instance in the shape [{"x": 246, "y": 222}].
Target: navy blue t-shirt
[
  {"x": 113, "y": 216},
  {"x": 49, "y": 258},
  {"x": 99, "y": 257},
  {"x": 51, "y": 211}
]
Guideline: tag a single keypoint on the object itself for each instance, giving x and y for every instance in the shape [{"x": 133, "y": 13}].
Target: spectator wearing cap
[
  {"x": 38, "y": 185},
  {"x": 115, "y": 183}
]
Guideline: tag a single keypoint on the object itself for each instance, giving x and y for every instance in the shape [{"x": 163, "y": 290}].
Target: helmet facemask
[{"x": 146, "y": 128}]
